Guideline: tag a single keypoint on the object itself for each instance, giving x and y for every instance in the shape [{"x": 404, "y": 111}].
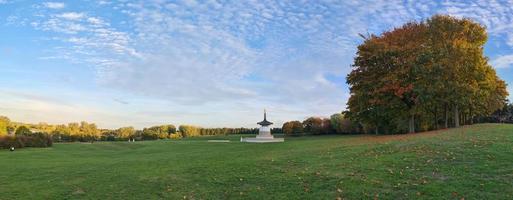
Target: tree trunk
[
  {"x": 462, "y": 118},
  {"x": 436, "y": 118},
  {"x": 456, "y": 116},
  {"x": 376, "y": 130},
  {"x": 446, "y": 117},
  {"x": 412, "y": 123},
  {"x": 471, "y": 116}
]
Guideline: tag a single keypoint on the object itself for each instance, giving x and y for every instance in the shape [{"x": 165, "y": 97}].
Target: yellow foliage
[{"x": 175, "y": 136}]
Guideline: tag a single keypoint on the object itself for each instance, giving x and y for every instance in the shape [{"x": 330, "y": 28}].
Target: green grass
[{"x": 473, "y": 162}]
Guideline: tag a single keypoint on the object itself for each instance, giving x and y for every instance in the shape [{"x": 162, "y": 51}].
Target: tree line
[
  {"x": 336, "y": 124},
  {"x": 341, "y": 124},
  {"x": 88, "y": 132},
  {"x": 424, "y": 76},
  {"x": 503, "y": 115}
]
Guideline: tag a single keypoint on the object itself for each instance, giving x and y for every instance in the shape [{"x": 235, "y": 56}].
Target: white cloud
[
  {"x": 102, "y": 2},
  {"x": 60, "y": 26},
  {"x": 90, "y": 39},
  {"x": 71, "y": 15},
  {"x": 206, "y": 63},
  {"x": 243, "y": 55},
  {"x": 96, "y": 21},
  {"x": 54, "y": 5},
  {"x": 505, "y": 61}
]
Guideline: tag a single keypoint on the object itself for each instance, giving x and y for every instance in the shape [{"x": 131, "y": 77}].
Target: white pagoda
[{"x": 264, "y": 133}]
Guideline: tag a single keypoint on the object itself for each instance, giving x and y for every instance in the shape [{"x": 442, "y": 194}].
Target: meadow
[{"x": 472, "y": 162}]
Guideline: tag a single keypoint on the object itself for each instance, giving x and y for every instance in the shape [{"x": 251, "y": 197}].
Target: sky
[{"x": 210, "y": 63}]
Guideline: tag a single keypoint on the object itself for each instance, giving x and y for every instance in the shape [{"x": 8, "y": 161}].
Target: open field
[{"x": 474, "y": 162}]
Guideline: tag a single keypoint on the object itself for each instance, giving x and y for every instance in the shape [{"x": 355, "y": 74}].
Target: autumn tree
[
  {"x": 4, "y": 124},
  {"x": 189, "y": 131},
  {"x": 342, "y": 125},
  {"x": 412, "y": 71},
  {"x": 313, "y": 125},
  {"x": 126, "y": 132},
  {"x": 156, "y": 132},
  {"x": 326, "y": 127},
  {"x": 292, "y": 128}
]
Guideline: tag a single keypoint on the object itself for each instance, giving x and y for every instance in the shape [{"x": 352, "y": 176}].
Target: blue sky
[{"x": 211, "y": 63}]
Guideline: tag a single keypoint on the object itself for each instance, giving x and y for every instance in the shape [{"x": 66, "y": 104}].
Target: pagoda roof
[{"x": 265, "y": 122}]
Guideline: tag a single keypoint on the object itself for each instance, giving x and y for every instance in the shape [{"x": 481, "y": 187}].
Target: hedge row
[{"x": 20, "y": 141}]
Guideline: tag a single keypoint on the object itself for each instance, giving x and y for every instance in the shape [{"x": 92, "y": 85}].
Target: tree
[
  {"x": 292, "y": 128},
  {"x": 61, "y": 132},
  {"x": 313, "y": 125},
  {"x": 74, "y": 129},
  {"x": 149, "y": 134},
  {"x": 456, "y": 45},
  {"x": 337, "y": 122},
  {"x": 171, "y": 129},
  {"x": 373, "y": 98},
  {"x": 342, "y": 125},
  {"x": 326, "y": 127},
  {"x": 88, "y": 132},
  {"x": 4, "y": 124},
  {"x": 162, "y": 131},
  {"x": 189, "y": 131},
  {"x": 126, "y": 132},
  {"x": 23, "y": 130},
  {"x": 412, "y": 71}
]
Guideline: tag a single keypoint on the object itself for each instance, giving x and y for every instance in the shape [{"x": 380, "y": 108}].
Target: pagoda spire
[{"x": 265, "y": 122}]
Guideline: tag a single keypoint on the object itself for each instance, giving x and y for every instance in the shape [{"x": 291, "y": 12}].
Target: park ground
[{"x": 472, "y": 162}]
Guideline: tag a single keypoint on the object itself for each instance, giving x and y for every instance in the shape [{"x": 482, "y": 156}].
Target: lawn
[{"x": 473, "y": 162}]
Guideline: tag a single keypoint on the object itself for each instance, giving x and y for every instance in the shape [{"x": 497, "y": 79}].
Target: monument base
[{"x": 262, "y": 140}]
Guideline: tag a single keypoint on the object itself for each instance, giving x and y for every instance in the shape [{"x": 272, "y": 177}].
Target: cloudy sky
[{"x": 209, "y": 63}]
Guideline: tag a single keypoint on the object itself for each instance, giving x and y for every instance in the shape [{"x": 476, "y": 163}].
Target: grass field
[{"x": 474, "y": 162}]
